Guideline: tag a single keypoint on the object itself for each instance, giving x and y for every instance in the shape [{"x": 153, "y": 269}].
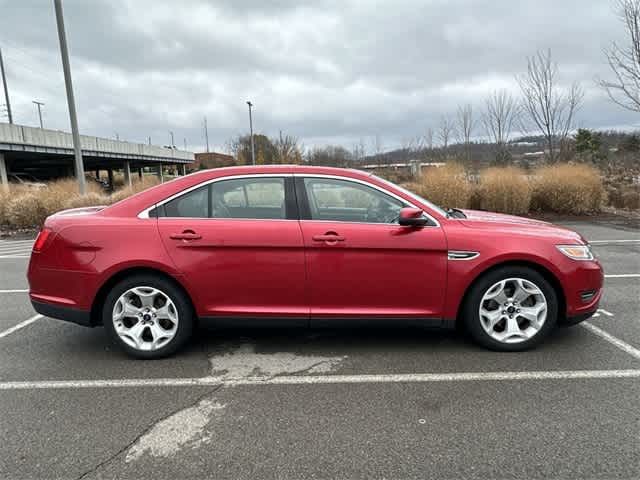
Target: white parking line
[
  {"x": 322, "y": 379},
  {"x": 14, "y": 291},
  {"x": 622, "y": 345},
  {"x": 623, "y": 275},
  {"x": 603, "y": 242},
  {"x": 28, "y": 321}
]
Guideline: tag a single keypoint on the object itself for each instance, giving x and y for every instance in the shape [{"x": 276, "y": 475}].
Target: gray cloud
[{"x": 327, "y": 71}]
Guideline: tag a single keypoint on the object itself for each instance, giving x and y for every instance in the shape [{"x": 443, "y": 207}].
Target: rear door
[
  {"x": 238, "y": 243},
  {"x": 360, "y": 262}
]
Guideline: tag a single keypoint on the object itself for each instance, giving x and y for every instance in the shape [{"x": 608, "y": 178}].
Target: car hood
[{"x": 512, "y": 223}]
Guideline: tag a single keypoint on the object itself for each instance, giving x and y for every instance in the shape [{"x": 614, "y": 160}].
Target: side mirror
[{"x": 412, "y": 217}]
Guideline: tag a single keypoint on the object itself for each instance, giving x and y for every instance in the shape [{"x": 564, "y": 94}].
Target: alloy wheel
[
  {"x": 145, "y": 318},
  {"x": 513, "y": 310}
]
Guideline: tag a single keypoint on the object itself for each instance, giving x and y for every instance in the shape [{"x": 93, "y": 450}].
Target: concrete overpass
[{"x": 49, "y": 153}]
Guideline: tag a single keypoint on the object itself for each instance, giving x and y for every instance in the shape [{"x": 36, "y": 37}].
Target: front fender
[{"x": 463, "y": 273}]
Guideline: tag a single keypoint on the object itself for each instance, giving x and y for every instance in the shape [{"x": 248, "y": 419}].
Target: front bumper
[
  {"x": 576, "y": 319},
  {"x": 67, "y": 314}
]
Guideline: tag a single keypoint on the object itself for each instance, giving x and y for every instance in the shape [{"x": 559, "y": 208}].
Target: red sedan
[{"x": 306, "y": 246}]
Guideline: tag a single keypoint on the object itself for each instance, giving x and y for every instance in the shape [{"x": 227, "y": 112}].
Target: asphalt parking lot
[{"x": 325, "y": 404}]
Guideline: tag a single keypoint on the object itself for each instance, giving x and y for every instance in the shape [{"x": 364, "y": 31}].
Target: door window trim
[
  {"x": 305, "y": 211},
  {"x": 289, "y": 198}
]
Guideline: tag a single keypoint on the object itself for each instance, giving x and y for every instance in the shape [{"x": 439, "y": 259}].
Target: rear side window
[
  {"x": 251, "y": 198},
  {"x": 194, "y": 204},
  {"x": 261, "y": 198}
]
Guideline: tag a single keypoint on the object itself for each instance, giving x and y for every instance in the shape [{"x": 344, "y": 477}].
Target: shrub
[
  {"x": 566, "y": 188},
  {"x": 446, "y": 186},
  {"x": 631, "y": 199},
  {"x": 25, "y": 207},
  {"x": 90, "y": 199},
  {"x": 137, "y": 186},
  {"x": 120, "y": 195},
  {"x": 26, "y": 210},
  {"x": 505, "y": 190},
  {"x": 627, "y": 196},
  {"x": 4, "y": 199}
]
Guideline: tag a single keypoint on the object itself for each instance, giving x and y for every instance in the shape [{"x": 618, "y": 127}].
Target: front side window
[{"x": 346, "y": 201}]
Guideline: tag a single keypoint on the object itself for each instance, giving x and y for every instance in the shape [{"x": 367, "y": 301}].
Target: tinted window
[
  {"x": 345, "y": 201},
  {"x": 194, "y": 204}
]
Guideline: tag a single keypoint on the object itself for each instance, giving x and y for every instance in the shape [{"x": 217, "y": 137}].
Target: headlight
[{"x": 577, "y": 252}]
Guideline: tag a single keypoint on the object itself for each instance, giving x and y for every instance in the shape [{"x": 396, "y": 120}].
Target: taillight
[{"x": 41, "y": 241}]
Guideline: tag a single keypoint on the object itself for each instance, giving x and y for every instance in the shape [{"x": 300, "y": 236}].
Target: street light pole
[
  {"x": 39, "y": 104},
  {"x": 253, "y": 152},
  {"x": 206, "y": 133},
  {"x": 6, "y": 90},
  {"x": 64, "y": 52},
  {"x": 172, "y": 142}
]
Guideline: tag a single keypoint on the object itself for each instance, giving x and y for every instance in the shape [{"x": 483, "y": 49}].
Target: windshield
[{"x": 413, "y": 195}]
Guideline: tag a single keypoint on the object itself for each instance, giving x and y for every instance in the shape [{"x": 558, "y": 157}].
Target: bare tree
[
  {"x": 446, "y": 129},
  {"x": 549, "y": 107},
  {"x": 359, "y": 151},
  {"x": 465, "y": 126},
  {"x": 501, "y": 112},
  {"x": 287, "y": 150},
  {"x": 407, "y": 145},
  {"x": 428, "y": 139},
  {"x": 624, "y": 61},
  {"x": 378, "y": 145}
]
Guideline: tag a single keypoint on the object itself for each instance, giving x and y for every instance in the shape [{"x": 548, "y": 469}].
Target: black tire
[
  {"x": 471, "y": 316},
  {"x": 182, "y": 304}
]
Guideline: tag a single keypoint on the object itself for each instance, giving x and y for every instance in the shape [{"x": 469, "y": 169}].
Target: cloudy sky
[{"x": 325, "y": 71}]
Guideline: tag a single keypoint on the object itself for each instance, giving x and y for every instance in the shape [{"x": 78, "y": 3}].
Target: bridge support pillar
[
  {"x": 140, "y": 173},
  {"x": 127, "y": 174},
  {"x": 110, "y": 176},
  {"x": 183, "y": 169},
  {"x": 98, "y": 173},
  {"x": 160, "y": 176},
  {"x": 4, "y": 178}
]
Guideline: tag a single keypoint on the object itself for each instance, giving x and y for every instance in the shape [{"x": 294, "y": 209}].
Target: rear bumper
[{"x": 67, "y": 314}]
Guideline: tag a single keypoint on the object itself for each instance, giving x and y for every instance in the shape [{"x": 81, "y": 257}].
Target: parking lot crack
[{"x": 130, "y": 444}]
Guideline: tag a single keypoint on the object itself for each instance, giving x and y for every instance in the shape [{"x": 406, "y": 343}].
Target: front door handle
[
  {"x": 186, "y": 235},
  {"x": 328, "y": 237}
]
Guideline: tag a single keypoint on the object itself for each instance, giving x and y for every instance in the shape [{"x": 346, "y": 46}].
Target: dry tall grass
[
  {"x": 24, "y": 207},
  {"x": 446, "y": 186},
  {"x": 566, "y": 188},
  {"x": 505, "y": 190}
]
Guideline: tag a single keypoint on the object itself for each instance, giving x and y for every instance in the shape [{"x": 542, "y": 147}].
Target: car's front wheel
[
  {"x": 148, "y": 316},
  {"x": 511, "y": 309}
]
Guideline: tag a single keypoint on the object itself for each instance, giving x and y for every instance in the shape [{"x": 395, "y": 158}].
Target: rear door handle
[
  {"x": 328, "y": 238},
  {"x": 186, "y": 235}
]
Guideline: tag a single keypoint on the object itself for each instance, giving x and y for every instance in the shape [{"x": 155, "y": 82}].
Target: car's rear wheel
[
  {"x": 511, "y": 309},
  {"x": 148, "y": 316}
]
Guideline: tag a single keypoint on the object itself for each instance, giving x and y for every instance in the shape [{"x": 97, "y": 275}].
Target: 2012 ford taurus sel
[{"x": 310, "y": 246}]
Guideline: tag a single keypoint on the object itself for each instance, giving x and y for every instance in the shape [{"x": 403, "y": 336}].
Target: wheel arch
[
  {"x": 103, "y": 291},
  {"x": 541, "y": 269}
]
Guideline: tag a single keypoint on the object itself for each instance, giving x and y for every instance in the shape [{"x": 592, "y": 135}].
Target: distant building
[{"x": 212, "y": 160}]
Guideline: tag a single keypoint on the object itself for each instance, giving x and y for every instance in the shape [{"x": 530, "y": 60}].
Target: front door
[
  {"x": 239, "y": 247},
  {"x": 360, "y": 262}
]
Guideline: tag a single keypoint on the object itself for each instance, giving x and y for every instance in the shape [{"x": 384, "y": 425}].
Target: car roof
[{"x": 258, "y": 169}]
